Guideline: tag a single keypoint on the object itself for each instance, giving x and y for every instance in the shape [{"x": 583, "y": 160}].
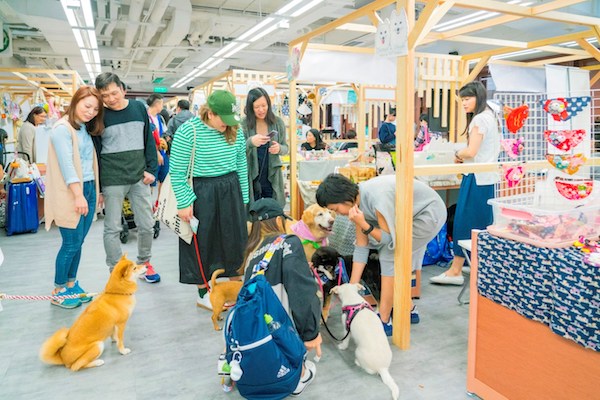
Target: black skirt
[{"x": 222, "y": 232}]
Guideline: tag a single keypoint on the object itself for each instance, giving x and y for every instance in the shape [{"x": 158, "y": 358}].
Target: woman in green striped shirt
[{"x": 218, "y": 194}]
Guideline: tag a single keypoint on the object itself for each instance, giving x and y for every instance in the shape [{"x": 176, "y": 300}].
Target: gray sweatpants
[
  {"x": 426, "y": 226},
  {"x": 141, "y": 204}
]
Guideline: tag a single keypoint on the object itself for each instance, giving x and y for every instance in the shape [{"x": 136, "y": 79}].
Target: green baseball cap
[{"x": 223, "y": 103}]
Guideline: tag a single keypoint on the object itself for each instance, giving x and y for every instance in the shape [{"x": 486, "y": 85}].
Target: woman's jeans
[{"x": 67, "y": 260}]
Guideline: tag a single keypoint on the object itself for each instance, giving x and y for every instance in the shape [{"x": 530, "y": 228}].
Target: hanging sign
[
  {"x": 392, "y": 35},
  {"x": 6, "y": 48}
]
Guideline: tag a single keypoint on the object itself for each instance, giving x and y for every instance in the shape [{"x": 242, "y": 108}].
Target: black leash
[{"x": 331, "y": 334}]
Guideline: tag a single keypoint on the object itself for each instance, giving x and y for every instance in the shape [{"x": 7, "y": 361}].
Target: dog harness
[
  {"x": 352, "y": 310},
  {"x": 303, "y": 232}
]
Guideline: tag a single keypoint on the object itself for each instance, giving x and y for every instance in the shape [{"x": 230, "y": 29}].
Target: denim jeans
[
  {"x": 67, "y": 260},
  {"x": 141, "y": 204}
]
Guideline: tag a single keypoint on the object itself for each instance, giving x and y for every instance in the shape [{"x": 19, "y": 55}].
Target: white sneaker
[
  {"x": 310, "y": 370},
  {"x": 204, "y": 302},
  {"x": 443, "y": 279}
]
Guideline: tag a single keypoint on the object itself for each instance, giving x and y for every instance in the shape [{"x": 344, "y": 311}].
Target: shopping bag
[{"x": 166, "y": 212}]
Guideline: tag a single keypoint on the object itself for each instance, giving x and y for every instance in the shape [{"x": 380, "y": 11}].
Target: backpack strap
[{"x": 263, "y": 264}]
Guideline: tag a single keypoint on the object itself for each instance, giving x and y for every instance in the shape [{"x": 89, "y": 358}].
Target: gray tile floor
[{"x": 174, "y": 348}]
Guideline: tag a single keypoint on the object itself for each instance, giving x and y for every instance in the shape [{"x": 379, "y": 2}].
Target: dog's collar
[
  {"x": 303, "y": 232},
  {"x": 314, "y": 244},
  {"x": 352, "y": 310}
]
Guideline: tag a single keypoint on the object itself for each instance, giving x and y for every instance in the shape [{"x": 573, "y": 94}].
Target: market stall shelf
[{"x": 511, "y": 355}]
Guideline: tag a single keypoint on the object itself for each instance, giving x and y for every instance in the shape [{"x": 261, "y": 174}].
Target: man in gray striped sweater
[{"x": 128, "y": 165}]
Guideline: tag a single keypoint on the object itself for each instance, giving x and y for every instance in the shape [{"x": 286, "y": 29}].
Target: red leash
[{"x": 200, "y": 263}]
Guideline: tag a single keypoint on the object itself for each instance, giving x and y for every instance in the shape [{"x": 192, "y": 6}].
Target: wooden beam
[
  {"x": 531, "y": 45},
  {"x": 595, "y": 78},
  {"x": 488, "y": 41},
  {"x": 592, "y": 67},
  {"x": 505, "y": 19},
  {"x": 563, "y": 50},
  {"x": 556, "y": 60},
  {"x": 555, "y": 5},
  {"x": 429, "y": 17},
  {"x": 346, "y": 49},
  {"x": 373, "y": 18},
  {"x": 592, "y": 50},
  {"x": 476, "y": 70},
  {"x": 59, "y": 82},
  {"x": 364, "y": 11},
  {"x": 528, "y": 12},
  {"x": 436, "y": 36}
]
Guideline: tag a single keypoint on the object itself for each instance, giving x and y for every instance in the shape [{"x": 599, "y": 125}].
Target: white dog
[{"x": 373, "y": 353}]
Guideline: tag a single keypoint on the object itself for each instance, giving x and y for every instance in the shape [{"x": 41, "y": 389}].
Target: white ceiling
[{"x": 146, "y": 39}]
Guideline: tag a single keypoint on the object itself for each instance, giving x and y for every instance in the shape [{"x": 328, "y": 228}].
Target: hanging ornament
[
  {"x": 566, "y": 163},
  {"x": 562, "y": 109},
  {"x": 574, "y": 188},
  {"x": 565, "y": 140},
  {"x": 516, "y": 118},
  {"x": 513, "y": 174},
  {"x": 513, "y": 147}
]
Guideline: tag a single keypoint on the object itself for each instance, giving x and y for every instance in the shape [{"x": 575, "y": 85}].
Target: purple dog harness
[{"x": 352, "y": 310}]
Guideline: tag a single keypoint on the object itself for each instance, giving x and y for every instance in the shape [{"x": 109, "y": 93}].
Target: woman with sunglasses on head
[{"x": 265, "y": 141}]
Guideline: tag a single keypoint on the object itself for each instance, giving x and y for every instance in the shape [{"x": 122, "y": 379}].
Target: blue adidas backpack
[{"x": 270, "y": 361}]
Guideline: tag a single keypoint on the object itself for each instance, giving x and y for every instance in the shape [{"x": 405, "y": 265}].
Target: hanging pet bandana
[
  {"x": 574, "y": 189},
  {"x": 513, "y": 174},
  {"x": 513, "y": 147},
  {"x": 567, "y": 163},
  {"x": 516, "y": 118},
  {"x": 565, "y": 140},
  {"x": 562, "y": 108}
]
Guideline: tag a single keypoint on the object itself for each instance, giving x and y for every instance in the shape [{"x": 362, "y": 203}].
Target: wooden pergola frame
[
  {"x": 27, "y": 81},
  {"x": 228, "y": 80},
  {"x": 24, "y": 83},
  {"x": 420, "y": 32}
]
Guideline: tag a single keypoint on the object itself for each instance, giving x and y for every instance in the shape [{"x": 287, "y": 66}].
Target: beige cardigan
[{"x": 59, "y": 201}]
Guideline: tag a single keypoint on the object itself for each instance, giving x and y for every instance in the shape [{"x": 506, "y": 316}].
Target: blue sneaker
[
  {"x": 414, "y": 315},
  {"x": 387, "y": 327},
  {"x": 78, "y": 290},
  {"x": 151, "y": 275},
  {"x": 65, "y": 303}
]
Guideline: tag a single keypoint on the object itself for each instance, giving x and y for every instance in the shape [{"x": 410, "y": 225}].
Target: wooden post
[
  {"x": 361, "y": 124},
  {"x": 293, "y": 145},
  {"x": 405, "y": 111}
]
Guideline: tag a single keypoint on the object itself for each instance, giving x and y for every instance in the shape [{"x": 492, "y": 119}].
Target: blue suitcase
[{"x": 21, "y": 208}]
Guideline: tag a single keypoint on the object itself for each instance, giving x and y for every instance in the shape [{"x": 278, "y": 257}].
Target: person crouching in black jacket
[{"x": 289, "y": 275}]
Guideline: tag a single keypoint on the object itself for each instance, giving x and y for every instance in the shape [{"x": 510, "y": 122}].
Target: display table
[
  {"x": 317, "y": 170},
  {"x": 533, "y": 312}
]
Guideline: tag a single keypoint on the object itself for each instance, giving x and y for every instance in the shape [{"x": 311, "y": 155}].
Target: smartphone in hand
[
  {"x": 194, "y": 224},
  {"x": 273, "y": 134}
]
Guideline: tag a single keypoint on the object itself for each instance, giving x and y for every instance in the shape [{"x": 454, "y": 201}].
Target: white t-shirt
[{"x": 489, "y": 151}]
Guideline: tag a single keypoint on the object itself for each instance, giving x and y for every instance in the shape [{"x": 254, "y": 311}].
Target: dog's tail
[
  {"x": 213, "y": 278},
  {"x": 389, "y": 382},
  {"x": 50, "y": 351}
]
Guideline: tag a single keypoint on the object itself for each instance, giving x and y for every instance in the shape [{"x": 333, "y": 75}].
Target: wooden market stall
[
  {"x": 23, "y": 84},
  {"x": 457, "y": 70}
]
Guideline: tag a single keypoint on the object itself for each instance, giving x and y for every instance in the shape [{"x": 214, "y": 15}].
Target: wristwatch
[{"x": 367, "y": 231}]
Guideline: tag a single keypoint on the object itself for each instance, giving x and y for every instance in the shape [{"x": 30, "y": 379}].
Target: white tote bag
[{"x": 166, "y": 212}]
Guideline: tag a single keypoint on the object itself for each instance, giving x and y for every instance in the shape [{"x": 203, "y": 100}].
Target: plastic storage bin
[{"x": 518, "y": 218}]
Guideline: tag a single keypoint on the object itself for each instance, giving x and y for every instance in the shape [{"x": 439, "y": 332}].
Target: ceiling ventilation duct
[{"x": 175, "y": 32}]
